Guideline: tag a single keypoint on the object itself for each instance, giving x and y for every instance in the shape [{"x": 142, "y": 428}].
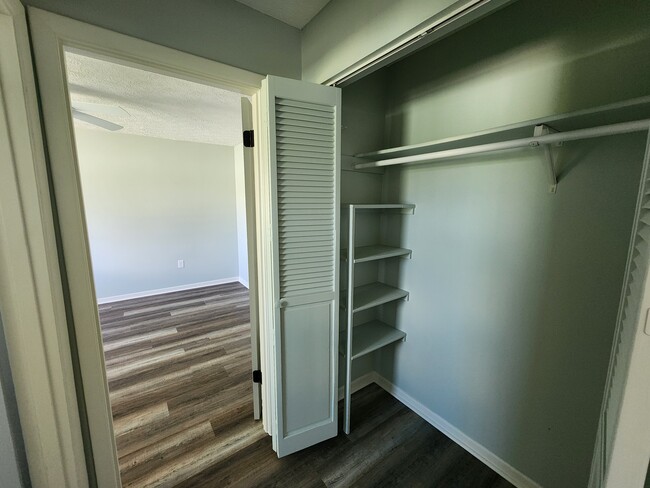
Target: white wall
[
  {"x": 240, "y": 190},
  {"x": 222, "y": 30},
  {"x": 150, "y": 202}
]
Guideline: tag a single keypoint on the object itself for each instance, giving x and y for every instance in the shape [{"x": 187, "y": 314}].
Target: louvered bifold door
[
  {"x": 631, "y": 317},
  {"x": 304, "y": 158}
]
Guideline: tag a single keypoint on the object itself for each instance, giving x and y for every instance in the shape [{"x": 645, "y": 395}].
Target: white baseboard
[
  {"x": 501, "y": 467},
  {"x": 160, "y": 291},
  {"x": 359, "y": 383},
  {"x": 244, "y": 282}
]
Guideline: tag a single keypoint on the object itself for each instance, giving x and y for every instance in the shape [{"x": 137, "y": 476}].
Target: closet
[
  {"x": 526, "y": 194},
  {"x": 522, "y": 153}
]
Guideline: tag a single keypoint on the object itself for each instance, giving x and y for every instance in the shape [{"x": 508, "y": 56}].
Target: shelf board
[
  {"x": 382, "y": 206},
  {"x": 635, "y": 109},
  {"x": 373, "y": 335},
  {"x": 372, "y": 253},
  {"x": 375, "y": 294}
]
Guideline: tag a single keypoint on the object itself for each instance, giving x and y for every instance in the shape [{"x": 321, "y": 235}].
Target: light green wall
[
  {"x": 362, "y": 130},
  {"x": 345, "y": 32},
  {"x": 221, "y": 30},
  {"x": 150, "y": 202},
  {"x": 513, "y": 298},
  {"x": 514, "y": 292},
  {"x": 523, "y": 62}
]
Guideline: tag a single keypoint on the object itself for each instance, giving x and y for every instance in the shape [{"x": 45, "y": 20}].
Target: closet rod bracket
[{"x": 542, "y": 130}]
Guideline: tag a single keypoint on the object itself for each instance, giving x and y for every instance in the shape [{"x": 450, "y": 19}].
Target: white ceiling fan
[{"x": 91, "y": 112}]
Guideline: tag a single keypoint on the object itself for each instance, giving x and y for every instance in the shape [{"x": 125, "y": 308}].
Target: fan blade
[
  {"x": 91, "y": 119},
  {"x": 99, "y": 109}
]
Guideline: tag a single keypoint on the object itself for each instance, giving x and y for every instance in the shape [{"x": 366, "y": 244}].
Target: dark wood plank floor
[{"x": 179, "y": 367}]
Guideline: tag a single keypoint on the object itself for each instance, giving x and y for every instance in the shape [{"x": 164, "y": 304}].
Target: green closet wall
[{"x": 514, "y": 291}]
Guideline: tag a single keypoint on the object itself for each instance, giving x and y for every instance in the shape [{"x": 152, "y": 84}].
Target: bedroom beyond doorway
[{"x": 161, "y": 169}]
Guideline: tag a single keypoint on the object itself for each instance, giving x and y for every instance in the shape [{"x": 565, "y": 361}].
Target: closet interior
[{"x": 508, "y": 275}]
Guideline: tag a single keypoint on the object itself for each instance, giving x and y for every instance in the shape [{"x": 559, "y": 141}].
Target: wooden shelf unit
[{"x": 373, "y": 335}]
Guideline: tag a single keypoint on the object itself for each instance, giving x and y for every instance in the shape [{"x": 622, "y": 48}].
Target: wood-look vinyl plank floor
[{"x": 179, "y": 372}]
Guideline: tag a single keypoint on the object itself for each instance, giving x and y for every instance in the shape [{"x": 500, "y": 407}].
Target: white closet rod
[{"x": 536, "y": 141}]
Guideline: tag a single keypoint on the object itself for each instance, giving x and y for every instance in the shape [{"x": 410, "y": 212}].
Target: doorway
[{"x": 162, "y": 175}]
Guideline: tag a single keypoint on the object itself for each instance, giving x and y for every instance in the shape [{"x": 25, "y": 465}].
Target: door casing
[
  {"x": 52, "y": 35},
  {"x": 31, "y": 298}
]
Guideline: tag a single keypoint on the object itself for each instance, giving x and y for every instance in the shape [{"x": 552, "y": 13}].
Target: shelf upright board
[{"x": 350, "y": 316}]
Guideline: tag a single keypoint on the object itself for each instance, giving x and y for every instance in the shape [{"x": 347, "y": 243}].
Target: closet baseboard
[
  {"x": 504, "y": 469},
  {"x": 359, "y": 383}
]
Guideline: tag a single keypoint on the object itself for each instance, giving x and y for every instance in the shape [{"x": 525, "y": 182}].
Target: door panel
[{"x": 304, "y": 167}]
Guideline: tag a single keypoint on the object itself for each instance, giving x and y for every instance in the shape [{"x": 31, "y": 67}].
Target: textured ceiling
[
  {"x": 152, "y": 104},
  {"x": 296, "y": 13}
]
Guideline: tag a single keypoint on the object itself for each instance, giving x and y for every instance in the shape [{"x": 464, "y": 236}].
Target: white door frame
[
  {"x": 31, "y": 298},
  {"x": 51, "y": 34}
]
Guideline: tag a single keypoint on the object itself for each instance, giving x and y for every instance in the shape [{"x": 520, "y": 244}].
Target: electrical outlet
[{"x": 181, "y": 263}]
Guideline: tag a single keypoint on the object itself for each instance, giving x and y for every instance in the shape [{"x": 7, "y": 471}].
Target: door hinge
[
  {"x": 257, "y": 376},
  {"x": 249, "y": 138}
]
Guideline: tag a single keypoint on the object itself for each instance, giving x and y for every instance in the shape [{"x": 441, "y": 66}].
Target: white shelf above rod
[{"x": 543, "y": 140}]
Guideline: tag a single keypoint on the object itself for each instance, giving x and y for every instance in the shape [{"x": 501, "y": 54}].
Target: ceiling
[
  {"x": 154, "y": 105},
  {"x": 296, "y": 13}
]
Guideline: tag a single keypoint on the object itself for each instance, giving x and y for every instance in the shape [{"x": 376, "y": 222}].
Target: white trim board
[
  {"x": 360, "y": 383},
  {"x": 480, "y": 452},
  {"x": 243, "y": 282},
  {"x": 171, "y": 289}
]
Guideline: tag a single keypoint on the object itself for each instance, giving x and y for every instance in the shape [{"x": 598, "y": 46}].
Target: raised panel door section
[{"x": 306, "y": 333}]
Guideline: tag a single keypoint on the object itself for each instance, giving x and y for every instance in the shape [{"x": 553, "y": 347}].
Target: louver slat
[
  {"x": 303, "y": 171},
  {"x": 305, "y": 190},
  {"x": 302, "y": 160},
  {"x": 289, "y": 122},
  {"x": 306, "y": 131},
  {"x": 307, "y": 141},
  {"x": 313, "y": 257},
  {"x": 302, "y": 184},
  {"x": 295, "y": 134},
  {"x": 300, "y": 200},
  {"x": 283, "y": 102},
  {"x": 304, "y": 111}
]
